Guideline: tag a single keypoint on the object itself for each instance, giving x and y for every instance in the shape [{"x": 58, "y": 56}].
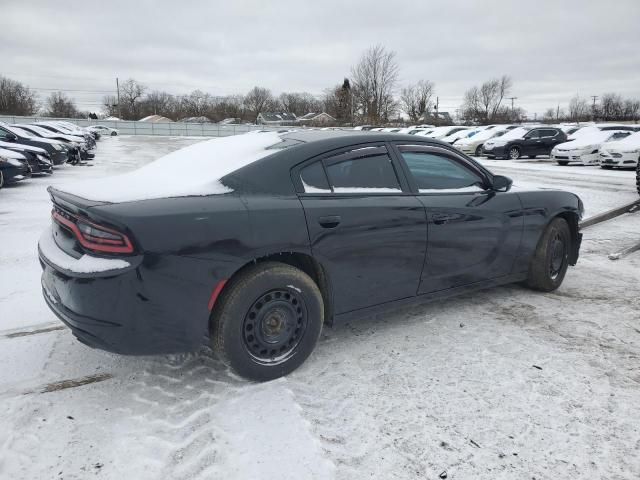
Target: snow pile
[
  {"x": 193, "y": 171},
  {"x": 84, "y": 264}
]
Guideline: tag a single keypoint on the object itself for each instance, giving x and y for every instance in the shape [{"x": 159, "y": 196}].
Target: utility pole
[
  {"x": 118, "y": 93},
  {"x": 512, "y": 99},
  {"x": 437, "y": 103},
  {"x": 558, "y": 113},
  {"x": 593, "y": 108}
]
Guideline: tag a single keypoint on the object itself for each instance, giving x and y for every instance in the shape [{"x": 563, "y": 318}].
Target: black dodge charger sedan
[{"x": 271, "y": 235}]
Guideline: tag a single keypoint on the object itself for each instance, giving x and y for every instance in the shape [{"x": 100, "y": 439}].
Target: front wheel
[
  {"x": 514, "y": 153},
  {"x": 267, "y": 321},
  {"x": 114, "y": 134},
  {"x": 638, "y": 176},
  {"x": 551, "y": 259},
  {"x": 1, "y": 180},
  {"x": 606, "y": 167},
  {"x": 563, "y": 163},
  {"x": 478, "y": 150}
]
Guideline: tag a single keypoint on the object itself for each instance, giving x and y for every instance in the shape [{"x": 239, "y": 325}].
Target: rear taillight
[{"x": 93, "y": 236}]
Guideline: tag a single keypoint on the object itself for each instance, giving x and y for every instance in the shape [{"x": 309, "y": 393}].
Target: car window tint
[
  {"x": 547, "y": 133},
  {"x": 314, "y": 179},
  {"x": 533, "y": 134},
  {"x": 433, "y": 172},
  {"x": 371, "y": 173}
]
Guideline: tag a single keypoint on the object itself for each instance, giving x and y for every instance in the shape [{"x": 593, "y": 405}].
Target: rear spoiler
[{"x": 71, "y": 202}]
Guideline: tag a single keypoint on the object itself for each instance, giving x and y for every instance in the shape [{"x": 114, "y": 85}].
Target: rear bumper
[{"x": 134, "y": 310}]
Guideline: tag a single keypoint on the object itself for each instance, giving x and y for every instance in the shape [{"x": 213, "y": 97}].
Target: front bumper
[
  {"x": 618, "y": 159},
  {"x": 59, "y": 157},
  {"x": 13, "y": 174},
  {"x": 575, "y": 156},
  {"x": 142, "y": 309},
  {"x": 495, "y": 152}
]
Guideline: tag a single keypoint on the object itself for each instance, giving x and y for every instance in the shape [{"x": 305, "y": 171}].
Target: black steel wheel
[
  {"x": 274, "y": 326},
  {"x": 267, "y": 320},
  {"x": 551, "y": 259}
]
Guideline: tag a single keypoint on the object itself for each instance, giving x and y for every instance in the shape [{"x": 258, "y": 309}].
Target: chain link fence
[{"x": 126, "y": 127}]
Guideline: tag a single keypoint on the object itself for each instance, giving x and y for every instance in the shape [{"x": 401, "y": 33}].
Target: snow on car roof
[
  {"x": 592, "y": 136},
  {"x": 192, "y": 171},
  {"x": 11, "y": 154},
  {"x": 632, "y": 140}
]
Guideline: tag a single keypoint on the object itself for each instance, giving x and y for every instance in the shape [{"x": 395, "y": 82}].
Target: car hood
[
  {"x": 19, "y": 146},
  {"x": 11, "y": 154}
]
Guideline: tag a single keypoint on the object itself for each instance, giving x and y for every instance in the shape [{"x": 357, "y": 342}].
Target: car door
[
  {"x": 365, "y": 228},
  {"x": 549, "y": 137},
  {"x": 532, "y": 143},
  {"x": 474, "y": 232}
]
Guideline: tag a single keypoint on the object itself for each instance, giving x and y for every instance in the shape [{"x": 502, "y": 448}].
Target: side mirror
[
  {"x": 501, "y": 183},
  {"x": 12, "y": 137}
]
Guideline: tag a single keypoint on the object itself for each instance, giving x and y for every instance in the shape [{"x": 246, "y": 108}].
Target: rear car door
[
  {"x": 550, "y": 138},
  {"x": 473, "y": 232},
  {"x": 365, "y": 228}
]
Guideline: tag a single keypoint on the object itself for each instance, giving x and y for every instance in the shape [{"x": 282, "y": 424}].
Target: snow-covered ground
[{"x": 505, "y": 383}]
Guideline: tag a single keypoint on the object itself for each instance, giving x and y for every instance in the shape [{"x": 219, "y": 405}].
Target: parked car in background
[
  {"x": 63, "y": 129},
  {"x": 473, "y": 145},
  {"x": 102, "y": 130},
  {"x": 77, "y": 145},
  {"x": 586, "y": 148},
  {"x": 57, "y": 150},
  {"x": 460, "y": 135},
  {"x": 13, "y": 167},
  {"x": 441, "y": 132},
  {"x": 537, "y": 141},
  {"x": 621, "y": 153},
  {"x": 366, "y": 223},
  {"x": 38, "y": 159}
]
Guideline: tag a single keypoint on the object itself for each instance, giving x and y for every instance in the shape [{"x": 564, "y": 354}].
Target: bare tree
[
  {"x": 257, "y": 99},
  {"x": 578, "y": 109},
  {"x": 632, "y": 110},
  {"x": 483, "y": 104},
  {"x": 373, "y": 82},
  {"x": 611, "y": 106},
  {"x": 16, "y": 99},
  {"x": 61, "y": 106},
  {"x": 416, "y": 100},
  {"x": 131, "y": 92},
  {"x": 300, "y": 103}
]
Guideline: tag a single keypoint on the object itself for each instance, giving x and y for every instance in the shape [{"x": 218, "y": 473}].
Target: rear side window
[
  {"x": 438, "y": 173},
  {"x": 314, "y": 179},
  {"x": 362, "y": 172}
]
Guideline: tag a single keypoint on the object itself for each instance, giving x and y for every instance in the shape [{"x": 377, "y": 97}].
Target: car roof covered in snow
[{"x": 256, "y": 162}]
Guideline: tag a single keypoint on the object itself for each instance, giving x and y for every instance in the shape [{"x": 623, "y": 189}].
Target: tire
[
  {"x": 478, "y": 151},
  {"x": 563, "y": 163},
  {"x": 607, "y": 167},
  {"x": 267, "y": 321},
  {"x": 114, "y": 134},
  {"x": 1, "y": 180},
  {"x": 551, "y": 259},
  {"x": 532, "y": 156},
  {"x": 638, "y": 177},
  {"x": 514, "y": 153}
]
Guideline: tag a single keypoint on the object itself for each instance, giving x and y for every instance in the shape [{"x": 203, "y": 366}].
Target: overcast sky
[{"x": 551, "y": 49}]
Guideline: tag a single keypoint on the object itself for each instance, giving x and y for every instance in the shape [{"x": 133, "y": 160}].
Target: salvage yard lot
[{"x": 503, "y": 383}]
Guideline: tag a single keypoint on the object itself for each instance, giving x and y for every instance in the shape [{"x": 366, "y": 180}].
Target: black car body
[
  {"x": 13, "y": 167},
  {"x": 537, "y": 141},
  {"x": 37, "y": 158},
  {"x": 88, "y": 138},
  {"x": 58, "y": 151},
  {"x": 377, "y": 235},
  {"x": 77, "y": 146}
]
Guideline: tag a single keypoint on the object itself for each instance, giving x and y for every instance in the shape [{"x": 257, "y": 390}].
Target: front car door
[
  {"x": 473, "y": 232},
  {"x": 366, "y": 229},
  {"x": 532, "y": 143}
]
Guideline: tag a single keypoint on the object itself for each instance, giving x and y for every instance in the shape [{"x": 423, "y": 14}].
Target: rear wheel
[
  {"x": 564, "y": 163},
  {"x": 514, "y": 153},
  {"x": 551, "y": 259},
  {"x": 267, "y": 321},
  {"x": 1, "y": 180}
]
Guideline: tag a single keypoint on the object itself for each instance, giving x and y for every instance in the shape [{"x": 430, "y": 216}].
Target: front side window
[
  {"x": 434, "y": 173},
  {"x": 533, "y": 134},
  {"x": 367, "y": 170}
]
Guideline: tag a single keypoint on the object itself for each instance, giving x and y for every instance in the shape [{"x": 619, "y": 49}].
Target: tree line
[{"x": 368, "y": 95}]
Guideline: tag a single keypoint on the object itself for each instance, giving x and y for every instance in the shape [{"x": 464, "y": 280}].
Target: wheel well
[
  {"x": 308, "y": 265},
  {"x": 574, "y": 227}
]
